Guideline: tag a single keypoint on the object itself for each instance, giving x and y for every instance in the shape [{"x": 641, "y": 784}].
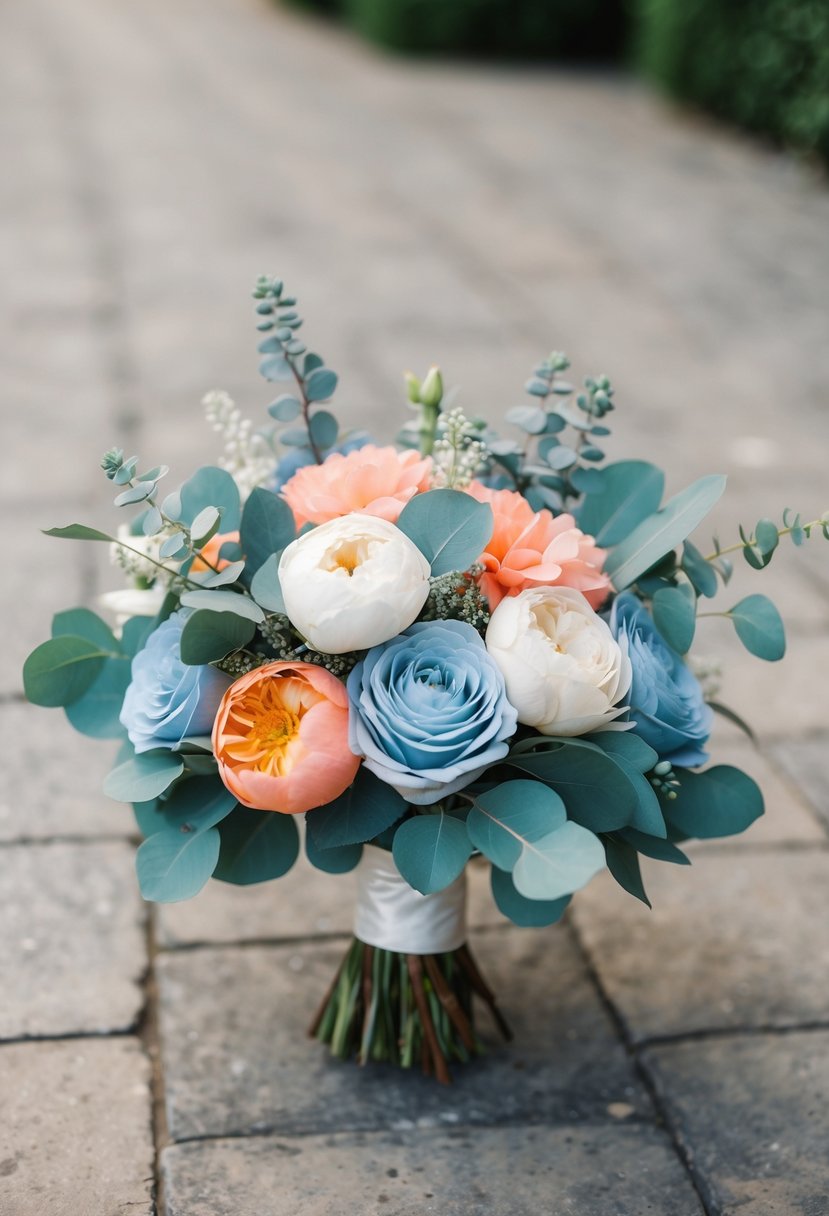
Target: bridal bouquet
[{"x": 463, "y": 649}]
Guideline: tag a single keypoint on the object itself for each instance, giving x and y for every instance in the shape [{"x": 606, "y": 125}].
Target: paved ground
[{"x": 157, "y": 156}]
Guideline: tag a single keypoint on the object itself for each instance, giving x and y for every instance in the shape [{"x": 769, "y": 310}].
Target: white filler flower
[
  {"x": 353, "y": 583},
  {"x": 564, "y": 671}
]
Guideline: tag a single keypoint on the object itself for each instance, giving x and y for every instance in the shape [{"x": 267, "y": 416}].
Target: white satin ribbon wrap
[{"x": 393, "y": 916}]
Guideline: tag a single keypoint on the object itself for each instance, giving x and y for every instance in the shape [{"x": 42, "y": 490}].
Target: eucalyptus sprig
[
  {"x": 287, "y": 358},
  {"x": 759, "y": 546}
]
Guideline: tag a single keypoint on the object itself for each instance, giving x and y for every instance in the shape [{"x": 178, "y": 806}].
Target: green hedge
[
  {"x": 761, "y": 63},
  {"x": 572, "y": 29}
]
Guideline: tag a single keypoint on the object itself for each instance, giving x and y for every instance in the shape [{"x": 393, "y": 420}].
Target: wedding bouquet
[{"x": 461, "y": 649}]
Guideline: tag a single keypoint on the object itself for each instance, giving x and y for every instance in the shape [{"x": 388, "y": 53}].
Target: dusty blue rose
[
  {"x": 429, "y": 710},
  {"x": 168, "y": 700},
  {"x": 666, "y": 700}
]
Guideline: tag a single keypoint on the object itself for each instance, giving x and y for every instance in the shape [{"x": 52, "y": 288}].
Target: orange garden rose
[
  {"x": 370, "y": 481},
  {"x": 281, "y": 738},
  {"x": 535, "y": 548},
  {"x": 210, "y": 552}
]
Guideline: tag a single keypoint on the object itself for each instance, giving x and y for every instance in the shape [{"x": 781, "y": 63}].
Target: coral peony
[
  {"x": 370, "y": 481},
  {"x": 281, "y": 738},
  {"x": 531, "y": 548}
]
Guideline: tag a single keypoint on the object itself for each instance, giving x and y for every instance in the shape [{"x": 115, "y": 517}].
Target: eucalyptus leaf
[
  {"x": 719, "y": 801},
  {"x": 530, "y": 418},
  {"x": 205, "y": 525},
  {"x": 528, "y": 913},
  {"x": 211, "y": 487},
  {"x": 662, "y": 532},
  {"x": 450, "y": 528},
  {"x": 97, "y": 712},
  {"x": 79, "y": 532},
  {"x": 175, "y": 865},
  {"x": 320, "y": 384},
  {"x": 653, "y": 846},
  {"x": 256, "y": 846},
  {"x": 699, "y": 571},
  {"x": 623, "y": 863},
  {"x": 265, "y": 586},
  {"x": 339, "y": 860},
  {"x": 596, "y": 792},
  {"x": 431, "y": 850},
  {"x": 675, "y": 616},
  {"x": 61, "y": 670},
  {"x": 559, "y": 863},
  {"x": 286, "y": 408},
  {"x": 759, "y": 627},
  {"x": 368, "y": 807},
  {"x": 208, "y": 636},
  {"x": 323, "y": 427},
  {"x": 511, "y": 815},
  {"x": 224, "y": 601},
  {"x": 267, "y": 527},
  {"x": 627, "y": 744},
  {"x": 143, "y": 776}
]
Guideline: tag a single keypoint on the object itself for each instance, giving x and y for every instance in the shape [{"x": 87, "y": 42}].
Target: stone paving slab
[
  {"x": 807, "y": 762},
  {"x": 72, "y": 951},
  {"x": 76, "y": 1138},
  {"x": 752, "y": 1112},
  {"x": 237, "y": 1060},
  {"x": 303, "y": 903},
  {"x": 736, "y": 940},
  {"x": 591, "y": 1170},
  {"x": 62, "y": 797}
]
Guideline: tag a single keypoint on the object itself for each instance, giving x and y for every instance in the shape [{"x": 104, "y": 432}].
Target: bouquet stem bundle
[{"x": 405, "y": 1009}]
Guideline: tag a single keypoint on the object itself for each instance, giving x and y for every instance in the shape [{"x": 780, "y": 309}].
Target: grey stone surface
[
  {"x": 236, "y": 1056},
  {"x": 61, "y": 797},
  {"x": 72, "y": 950},
  {"x": 753, "y": 1114},
  {"x": 624, "y": 1169},
  {"x": 806, "y": 761},
  {"x": 76, "y": 1137},
  {"x": 736, "y": 940},
  {"x": 303, "y": 903}
]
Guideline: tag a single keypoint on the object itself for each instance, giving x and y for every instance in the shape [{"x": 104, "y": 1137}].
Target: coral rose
[
  {"x": 535, "y": 548},
  {"x": 369, "y": 481},
  {"x": 281, "y": 738}
]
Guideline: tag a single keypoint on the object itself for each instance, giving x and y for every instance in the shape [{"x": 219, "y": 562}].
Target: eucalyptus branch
[{"x": 751, "y": 541}]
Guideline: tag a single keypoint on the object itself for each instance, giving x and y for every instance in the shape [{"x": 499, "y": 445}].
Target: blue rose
[
  {"x": 429, "y": 710},
  {"x": 168, "y": 700},
  {"x": 666, "y": 700}
]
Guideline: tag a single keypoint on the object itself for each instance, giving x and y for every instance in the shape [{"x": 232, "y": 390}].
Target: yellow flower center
[
  {"x": 263, "y": 725},
  {"x": 347, "y": 556}
]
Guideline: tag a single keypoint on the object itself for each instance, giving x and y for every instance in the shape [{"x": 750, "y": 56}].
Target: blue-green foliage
[
  {"x": 430, "y": 851},
  {"x": 366, "y": 809},
  {"x": 449, "y": 528},
  {"x": 720, "y": 801},
  {"x": 256, "y": 846}
]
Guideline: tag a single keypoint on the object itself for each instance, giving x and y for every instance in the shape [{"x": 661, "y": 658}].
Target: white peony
[
  {"x": 353, "y": 583},
  {"x": 132, "y": 602},
  {"x": 564, "y": 671}
]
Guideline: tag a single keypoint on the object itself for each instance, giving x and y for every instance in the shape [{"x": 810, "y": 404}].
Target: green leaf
[
  {"x": 662, "y": 532},
  {"x": 285, "y": 408},
  {"x": 516, "y": 813},
  {"x": 61, "y": 670},
  {"x": 275, "y": 368},
  {"x": 83, "y": 623},
  {"x": 79, "y": 532},
  {"x": 267, "y": 527},
  {"x": 211, "y": 487},
  {"x": 767, "y": 537},
  {"x": 175, "y": 865},
  {"x": 631, "y": 491},
  {"x": 699, "y": 571},
  {"x": 256, "y": 846},
  {"x": 628, "y": 745},
  {"x": 97, "y": 712},
  {"x": 320, "y": 384},
  {"x": 224, "y": 601},
  {"x": 196, "y": 804},
  {"x": 675, "y": 616},
  {"x": 530, "y": 418},
  {"x": 623, "y": 863},
  {"x": 653, "y": 846},
  {"x": 208, "y": 636},
  {"x": 528, "y": 913},
  {"x": 450, "y": 528},
  {"x": 143, "y": 777},
  {"x": 731, "y": 716},
  {"x": 648, "y": 815},
  {"x": 596, "y": 792},
  {"x": 431, "y": 850},
  {"x": 205, "y": 525},
  {"x": 720, "y": 801},
  {"x": 759, "y": 627},
  {"x": 558, "y": 864},
  {"x": 339, "y": 860},
  {"x": 265, "y": 586},
  {"x": 323, "y": 428},
  {"x": 367, "y": 808}
]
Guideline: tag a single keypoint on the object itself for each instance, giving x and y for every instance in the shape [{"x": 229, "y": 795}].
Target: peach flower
[
  {"x": 210, "y": 552},
  {"x": 370, "y": 481},
  {"x": 531, "y": 548},
  {"x": 281, "y": 738}
]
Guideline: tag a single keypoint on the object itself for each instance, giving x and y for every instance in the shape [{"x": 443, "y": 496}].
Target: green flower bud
[
  {"x": 412, "y": 387},
  {"x": 431, "y": 390}
]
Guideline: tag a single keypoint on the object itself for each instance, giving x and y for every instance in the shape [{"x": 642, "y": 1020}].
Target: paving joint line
[
  {"x": 149, "y": 1035},
  {"x": 706, "y": 1033},
  {"x": 663, "y": 1115},
  {"x": 306, "y": 939}
]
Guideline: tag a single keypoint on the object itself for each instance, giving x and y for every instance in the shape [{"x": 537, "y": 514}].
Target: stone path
[{"x": 158, "y": 156}]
